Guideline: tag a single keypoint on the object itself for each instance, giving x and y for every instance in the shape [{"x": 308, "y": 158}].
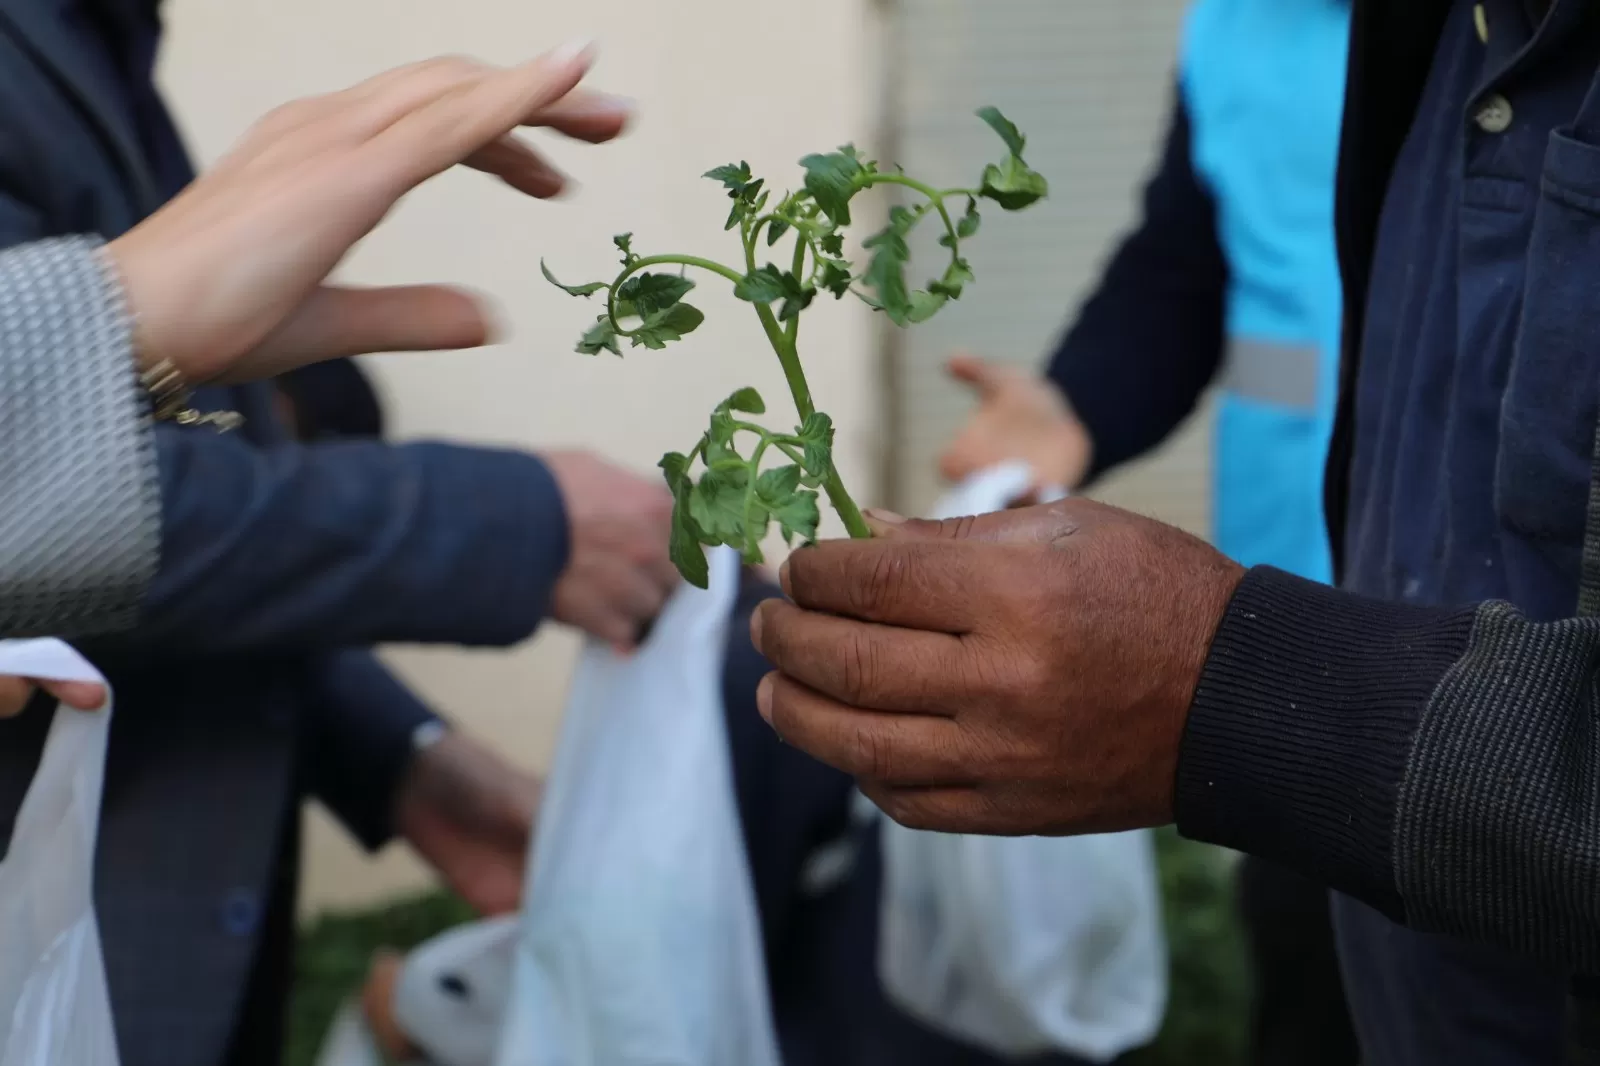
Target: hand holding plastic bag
[
  {"x": 1030, "y": 944},
  {"x": 54, "y": 1006}
]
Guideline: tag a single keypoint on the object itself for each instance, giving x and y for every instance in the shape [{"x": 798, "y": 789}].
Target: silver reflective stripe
[{"x": 1282, "y": 374}]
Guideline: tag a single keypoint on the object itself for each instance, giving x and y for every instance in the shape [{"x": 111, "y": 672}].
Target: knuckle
[
  {"x": 911, "y": 811},
  {"x": 445, "y": 68},
  {"x": 1028, "y": 682},
  {"x": 1028, "y": 679},
  {"x": 859, "y": 669},
  {"x": 956, "y": 528},
  {"x": 785, "y": 720},
  {"x": 884, "y": 584},
  {"x": 774, "y": 633},
  {"x": 873, "y": 756},
  {"x": 283, "y": 118}
]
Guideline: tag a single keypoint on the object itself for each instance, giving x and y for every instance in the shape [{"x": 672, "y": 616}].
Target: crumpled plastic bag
[
  {"x": 640, "y": 943},
  {"x": 1023, "y": 945},
  {"x": 55, "y": 1009}
]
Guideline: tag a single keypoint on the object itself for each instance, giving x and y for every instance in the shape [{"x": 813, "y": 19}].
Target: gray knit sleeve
[
  {"x": 1497, "y": 828},
  {"x": 79, "y": 496},
  {"x": 1441, "y": 764}
]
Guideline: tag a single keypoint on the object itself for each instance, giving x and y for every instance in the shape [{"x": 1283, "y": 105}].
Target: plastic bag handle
[{"x": 72, "y": 768}]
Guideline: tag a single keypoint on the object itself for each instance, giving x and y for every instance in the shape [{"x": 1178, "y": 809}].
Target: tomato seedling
[{"x": 731, "y": 500}]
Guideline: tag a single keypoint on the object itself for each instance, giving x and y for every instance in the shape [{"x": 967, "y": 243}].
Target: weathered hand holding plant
[{"x": 734, "y": 501}]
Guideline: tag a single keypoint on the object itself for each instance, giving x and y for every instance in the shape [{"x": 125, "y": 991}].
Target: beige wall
[{"x": 715, "y": 84}]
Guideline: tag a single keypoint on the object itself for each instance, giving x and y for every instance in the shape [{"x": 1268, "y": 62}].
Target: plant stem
[
  {"x": 849, "y": 513},
  {"x": 795, "y": 375},
  {"x": 661, "y": 260},
  {"x": 846, "y": 507},
  {"x": 935, "y": 196},
  {"x": 793, "y": 333}
]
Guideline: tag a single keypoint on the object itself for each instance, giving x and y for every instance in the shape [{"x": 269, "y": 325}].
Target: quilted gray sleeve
[{"x": 80, "y": 520}]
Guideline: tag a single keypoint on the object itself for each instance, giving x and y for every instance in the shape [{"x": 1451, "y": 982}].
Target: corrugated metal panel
[{"x": 1090, "y": 82}]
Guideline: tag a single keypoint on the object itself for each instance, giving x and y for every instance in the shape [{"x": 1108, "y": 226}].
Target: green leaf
[
  {"x": 755, "y": 532},
  {"x": 648, "y": 293},
  {"x": 747, "y": 400},
  {"x": 957, "y": 277},
  {"x": 769, "y": 285},
  {"x": 1012, "y": 185},
  {"x": 924, "y": 305},
  {"x": 775, "y": 231},
  {"x": 795, "y": 303},
  {"x": 733, "y": 176},
  {"x": 832, "y": 244},
  {"x": 816, "y": 437},
  {"x": 832, "y": 180},
  {"x": 717, "y": 505},
  {"x": 572, "y": 290},
  {"x": 762, "y": 286},
  {"x": 667, "y": 325},
  {"x": 743, "y": 189},
  {"x": 968, "y": 226},
  {"x": 601, "y": 337},
  {"x": 778, "y": 484},
  {"x": 624, "y": 243},
  {"x": 795, "y": 508},
  {"x": 885, "y": 277},
  {"x": 675, "y": 467},
  {"x": 684, "y": 545},
  {"x": 835, "y": 277},
  {"x": 718, "y": 442},
  {"x": 1015, "y": 141}
]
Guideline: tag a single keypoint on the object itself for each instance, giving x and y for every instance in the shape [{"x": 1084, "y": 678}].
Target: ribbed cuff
[{"x": 1302, "y": 725}]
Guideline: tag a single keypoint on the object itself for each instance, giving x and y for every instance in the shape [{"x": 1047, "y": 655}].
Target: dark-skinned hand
[{"x": 1026, "y": 672}]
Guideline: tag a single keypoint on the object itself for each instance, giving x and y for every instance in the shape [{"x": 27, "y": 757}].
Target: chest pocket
[{"x": 1547, "y": 419}]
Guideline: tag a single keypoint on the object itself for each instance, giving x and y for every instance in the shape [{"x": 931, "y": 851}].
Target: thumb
[
  {"x": 334, "y": 322},
  {"x": 15, "y": 692},
  {"x": 1042, "y": 524}
]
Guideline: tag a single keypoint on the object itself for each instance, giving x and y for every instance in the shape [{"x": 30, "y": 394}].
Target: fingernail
[
  {"x": 764, "y": 699},
  {"x": 882, "y": 522},
  {"x": 613, "y": 102},
  {"x": 783, "y": 579},
  {"x": 495, "y": 327},
  {"x": 572, "y": 50},
  {"x": 755, "y": 629}
]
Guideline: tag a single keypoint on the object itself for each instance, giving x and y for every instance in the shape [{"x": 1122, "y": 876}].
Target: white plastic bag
[
  {"x": 640, "y": 941},
  {"x": 450, "y": 1000},
  {"x": 1023, "y": 945},
  {"x": 54, "y": 1006}
]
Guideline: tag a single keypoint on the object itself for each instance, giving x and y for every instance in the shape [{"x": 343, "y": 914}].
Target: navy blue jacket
[{"x": 246, "y": 682}]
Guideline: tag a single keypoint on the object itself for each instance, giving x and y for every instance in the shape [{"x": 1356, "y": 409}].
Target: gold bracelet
[
  {"x": 169, "y": 400},
  {"x": 169, "y": 392}
]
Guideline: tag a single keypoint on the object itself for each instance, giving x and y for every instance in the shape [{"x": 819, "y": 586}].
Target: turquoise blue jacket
[{"x": 1231, "y": 278}]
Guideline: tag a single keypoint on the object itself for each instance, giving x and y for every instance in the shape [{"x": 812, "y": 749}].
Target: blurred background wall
[{"x": 717, "y": 80}]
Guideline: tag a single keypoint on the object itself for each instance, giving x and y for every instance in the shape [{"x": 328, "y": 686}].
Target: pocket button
[
  {"x": 241, "y": 913},
  {"x": 1494, "y": 114}
]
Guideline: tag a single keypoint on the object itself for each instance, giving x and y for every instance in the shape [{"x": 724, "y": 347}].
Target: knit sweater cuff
[{"x": 1302, "y": 725}]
